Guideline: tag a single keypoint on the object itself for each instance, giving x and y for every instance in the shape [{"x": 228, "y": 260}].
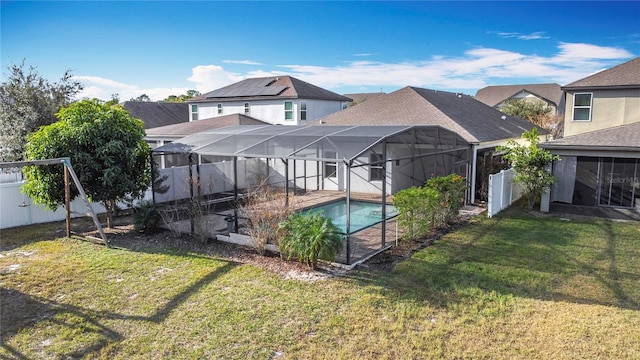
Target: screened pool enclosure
[{"x": 367, "y": 163}]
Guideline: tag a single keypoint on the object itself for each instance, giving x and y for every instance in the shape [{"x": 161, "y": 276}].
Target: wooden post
[{"x": 67, "y": 199}]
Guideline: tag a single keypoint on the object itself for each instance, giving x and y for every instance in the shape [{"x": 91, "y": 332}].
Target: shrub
[
  {"x": 309, "y": 237},
  {"x": 146, "y": 218},
  {"x": 451, "y": 189},
  {"x": 421, "y": 208},
  {"x": 416, "y": 208}
]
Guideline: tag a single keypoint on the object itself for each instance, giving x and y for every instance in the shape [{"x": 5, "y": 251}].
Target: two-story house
[
  {"x": 281, "y": 100},
  {"x": 600, "y": 153},
  {"x": 549, "y": 94}
]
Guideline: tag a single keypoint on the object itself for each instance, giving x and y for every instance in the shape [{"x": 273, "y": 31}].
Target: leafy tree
[
  {"x": 143, "y": 97},
  {"x": 530, "y": 163},
  {"x": 182, "y": 98},
  {"x": 107, "y": 150},
  {"x": 28, "y": 101},
  {"x": 115, "y": 100},
  {"x": 536, "y": 112}
]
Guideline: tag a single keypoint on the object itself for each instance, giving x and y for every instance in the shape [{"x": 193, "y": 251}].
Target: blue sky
[{"x": 163, "y": 48}]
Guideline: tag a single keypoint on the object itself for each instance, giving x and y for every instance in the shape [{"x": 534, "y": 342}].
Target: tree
[
  {"x": 107, "y": 150},
  {"x": 530, "y": 163},
  {"x": 182, "y": 98},
  {"x": 143, "y": 97},
  {"x": 28, "y": 101},
  {"x": 536, "y": 112}
]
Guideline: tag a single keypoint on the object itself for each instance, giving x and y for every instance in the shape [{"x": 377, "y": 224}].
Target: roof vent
[{"x": 503, "y": 117}]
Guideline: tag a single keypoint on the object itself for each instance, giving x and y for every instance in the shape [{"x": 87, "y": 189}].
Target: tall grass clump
[
  {"x": 264, "y": 210},
  {"x": 309, "y": 237}
]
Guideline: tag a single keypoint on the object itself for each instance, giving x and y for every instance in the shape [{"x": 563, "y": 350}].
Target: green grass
[{"x": 509, "y": 287}]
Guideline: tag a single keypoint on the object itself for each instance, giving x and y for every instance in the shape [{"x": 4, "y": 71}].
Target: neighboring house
[
  {"x": 549, "y": 94},
  {"x": 281, "y": 100},
  {"x": 603, "y": 100},
  {"x": 600, "y": 156},
  {"x": 480, "y": 125},
  {"x": 156, "y": 114},
  {"x": 159, "y": 136}
]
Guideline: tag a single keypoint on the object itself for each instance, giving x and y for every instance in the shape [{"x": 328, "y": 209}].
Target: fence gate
[{"x": 502, "y": 191}]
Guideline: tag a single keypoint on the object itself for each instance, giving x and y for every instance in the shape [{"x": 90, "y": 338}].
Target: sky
[{"x": 166, "y": 48}]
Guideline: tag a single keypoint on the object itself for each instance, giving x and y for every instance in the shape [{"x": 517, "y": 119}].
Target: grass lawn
[{"x": 512, "y": 287}]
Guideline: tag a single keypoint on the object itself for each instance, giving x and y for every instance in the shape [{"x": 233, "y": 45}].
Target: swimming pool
[{"x": 363, "y": 214}]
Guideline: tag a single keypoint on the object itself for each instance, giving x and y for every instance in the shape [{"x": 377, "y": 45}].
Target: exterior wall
[
  {"x": 271, "y": 111},
  {"x": 609, "y": 108}
]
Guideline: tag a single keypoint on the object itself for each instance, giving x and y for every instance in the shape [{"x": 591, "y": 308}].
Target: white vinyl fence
[
  {"x": 502, "y": 191},
  {"x": 17, "y": 209}
]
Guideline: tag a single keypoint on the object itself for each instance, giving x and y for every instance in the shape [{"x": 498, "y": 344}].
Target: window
[
  {"x": 330, "y": 168},
  {"x": 194, "y": 112},
  {"x": 219, "y": 109},
  {"x": 288, "y": 110},
  {"x": 247, "y": 108},
  {"x": 582, "y": 106},
  {"x": 303, "y": 110},
  {"x": 376, "y": 171}
]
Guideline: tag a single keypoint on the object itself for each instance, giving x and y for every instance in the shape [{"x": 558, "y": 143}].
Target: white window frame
[
  {"x": 303, "y": 110},
  {"x": 289, "y": 112},
  {"x": 247, "y": 108},
  {"x": 330, "y": 169},
  {"x": 590, "y": 106},
  {"x": 219, "y": 108},
  {"x": 194, "y": 112},
  {"x": 376, "y": 168}
]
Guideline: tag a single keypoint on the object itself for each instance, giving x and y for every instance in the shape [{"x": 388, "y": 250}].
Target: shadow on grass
[
  {"x": 516, "y": 255},
  {"x": 19, "y": 310}
]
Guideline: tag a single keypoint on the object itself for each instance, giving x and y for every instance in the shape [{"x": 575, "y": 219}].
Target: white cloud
[
  {"x": 211, "y": 77},
  {"x": 101, "y": 88},
  {"x": 474, "y": 69},
  {"x": 537, "y": 35},
  {"x": 242, "y": 62}
]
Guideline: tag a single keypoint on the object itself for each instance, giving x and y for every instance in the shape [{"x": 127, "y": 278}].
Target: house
[
  {"x": 549, "y": 94},
  {"x": 163, "y": 135},
  {"x": 156, "y": 114},
  {"x": 478, "y": 124},
  {"x": 606, "y": 99},
  {"x": 281, "y": 100},
  {"x": 600, "y": 155}
]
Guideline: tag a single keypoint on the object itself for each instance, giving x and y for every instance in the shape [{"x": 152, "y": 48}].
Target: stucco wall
[
  {"x": 271, "y": 111},
  {"x": 609, "y": 108}
]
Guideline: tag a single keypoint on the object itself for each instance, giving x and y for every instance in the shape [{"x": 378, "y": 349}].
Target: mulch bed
[{"x": 124, "y": 236}]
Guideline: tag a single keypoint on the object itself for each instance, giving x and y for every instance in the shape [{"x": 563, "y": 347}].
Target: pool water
[{"x": 363, "y": 214}]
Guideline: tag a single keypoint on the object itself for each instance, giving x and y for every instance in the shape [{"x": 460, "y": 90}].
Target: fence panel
[
  {"x": 502, "y": 191},
  {"x": 17, "y": 209}
]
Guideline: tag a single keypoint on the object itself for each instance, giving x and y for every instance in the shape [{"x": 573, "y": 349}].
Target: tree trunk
[{"x": 110, "y": 205}]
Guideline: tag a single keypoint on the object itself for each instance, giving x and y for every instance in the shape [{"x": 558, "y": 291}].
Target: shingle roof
[
  {"x": 495, "y": 94},
  {"x": 268, "y": 88},
  {"x": 476, "y": 122},
  {"x": 624, "y": 75},
  {"x": 155, "y": 114},
  {"x": 618, "y": 137},
  {"x": 362, "y": 97},
  {"x": 193, "y": 127}
]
